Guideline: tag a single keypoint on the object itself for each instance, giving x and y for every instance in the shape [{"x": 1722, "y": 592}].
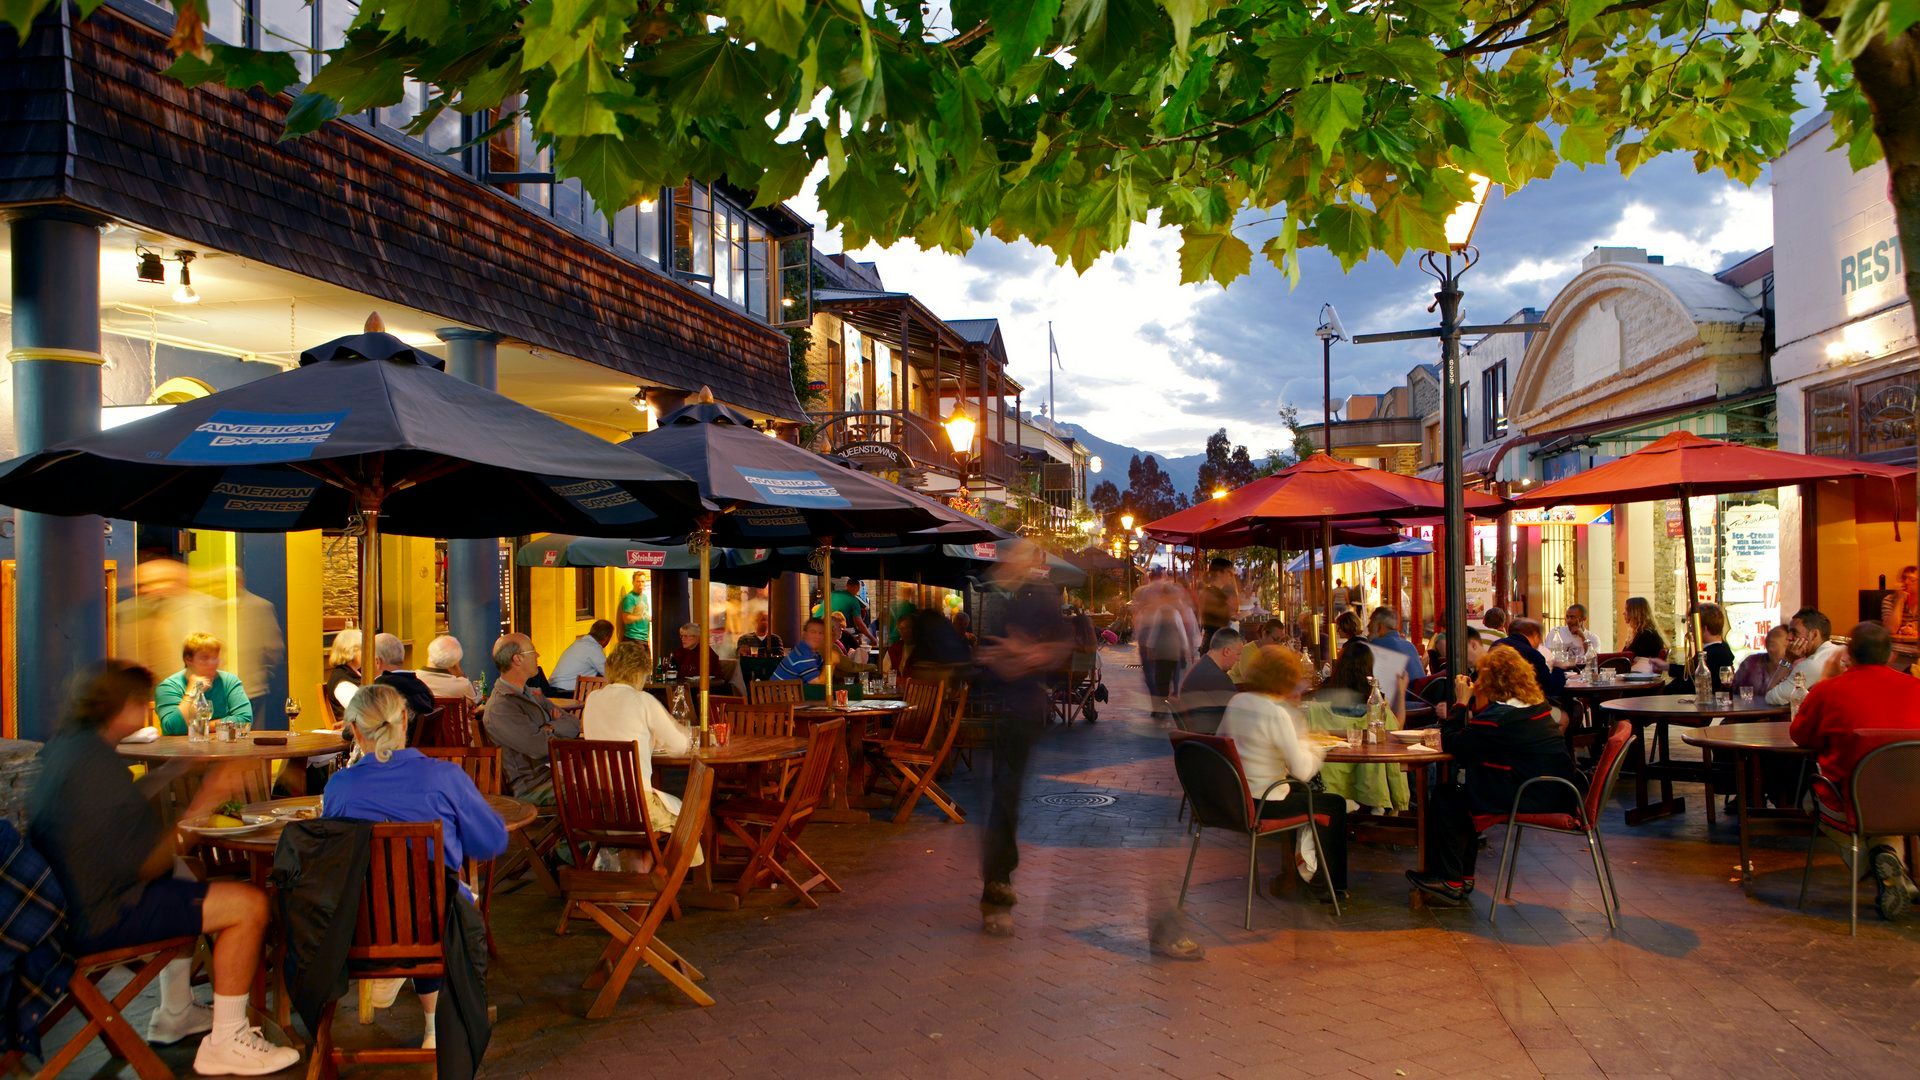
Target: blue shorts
[{"x": 168, "y": 908}]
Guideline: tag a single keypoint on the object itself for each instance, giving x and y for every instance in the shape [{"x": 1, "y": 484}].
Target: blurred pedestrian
[
  {"x": 1217, "y": 598},
  {"x": 113, "y": 855},
  {"x": 1023, "y": 640},
  {"x": 261, "y": 650},
  {"x": 1166, "y": 634},
  {"x": 163, "y": 610}
]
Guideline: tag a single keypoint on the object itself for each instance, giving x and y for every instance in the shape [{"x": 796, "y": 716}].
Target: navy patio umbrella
[
  {"x": 729, "y": 566},
  {"x": 368, "y": 433},
  {"x": 772, "y": 493}
]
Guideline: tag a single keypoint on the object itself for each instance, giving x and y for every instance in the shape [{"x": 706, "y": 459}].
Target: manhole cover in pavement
[{"x": 1076, "y": 799}]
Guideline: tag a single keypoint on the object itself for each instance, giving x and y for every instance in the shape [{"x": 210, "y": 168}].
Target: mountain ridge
[{"x": 1184, "y": 470}]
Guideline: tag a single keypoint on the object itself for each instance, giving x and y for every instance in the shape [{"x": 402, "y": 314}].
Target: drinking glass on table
[
  {"x": 293, "y": 712},
  {"x": 1746, "y": 695}
]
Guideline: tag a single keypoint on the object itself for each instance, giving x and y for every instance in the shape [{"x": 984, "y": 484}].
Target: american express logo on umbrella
[
  {"x": 793, "y": 488},
  {"x": 242, "y": 438}
]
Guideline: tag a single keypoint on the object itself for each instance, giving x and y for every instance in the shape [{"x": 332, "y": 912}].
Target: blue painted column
[
  {"x": 473, "y": 566},
  {"x": 61, "y": 614},
  {"x": 263, "y": 563}
]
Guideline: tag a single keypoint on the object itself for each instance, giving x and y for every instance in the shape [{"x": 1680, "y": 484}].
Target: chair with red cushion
[
  {"x": 1216, "y": 787},
  {"x": 1882, "y": 799},
  {"x": 1435, "y": 690},
  {"x": 1584, "y": 821},
  {"x": 1617, "y": 662}
]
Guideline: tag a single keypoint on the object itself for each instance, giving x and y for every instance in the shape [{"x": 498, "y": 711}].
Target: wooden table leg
[
  {"x": 1644, "y": 811},
  {"x": 838, "y": 808},
  {"x": 1743, "y": 789}
]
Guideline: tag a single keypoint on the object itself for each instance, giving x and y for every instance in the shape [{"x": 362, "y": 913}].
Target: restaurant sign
[
  {"x": 646, "y": 557},
  {"x": 1535, "y": 517},
  {"x": 875, "y": 455}
]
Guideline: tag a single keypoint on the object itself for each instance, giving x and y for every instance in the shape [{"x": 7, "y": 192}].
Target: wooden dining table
[
  {"x": 753, "y": 754},
  {"x": 1661, "y": 712},
  {"x": 849, "y": 760},
  {"x": 1413, "y": 760},
  {"x": 253, "y": 747},
  {"x": 1748, "y": 744}
]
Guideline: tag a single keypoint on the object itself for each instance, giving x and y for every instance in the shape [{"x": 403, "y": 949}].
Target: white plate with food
[
  {"x": 229, "y": 819},
  {"x": 1410, "y": 735}
]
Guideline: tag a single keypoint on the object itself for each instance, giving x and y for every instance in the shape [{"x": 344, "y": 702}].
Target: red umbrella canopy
[
  {"x": 1685, "y": 464},
  {"x": 1317, "y": 489}
]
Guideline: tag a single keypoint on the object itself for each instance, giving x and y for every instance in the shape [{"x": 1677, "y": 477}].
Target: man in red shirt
[{"x": 1834, "y": 721}]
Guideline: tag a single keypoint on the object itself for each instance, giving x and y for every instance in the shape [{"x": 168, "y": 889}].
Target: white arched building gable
[{"x": 1627, "y": 339}]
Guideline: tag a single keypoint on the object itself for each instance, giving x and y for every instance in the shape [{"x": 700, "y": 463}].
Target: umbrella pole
[
  {"x": 1326, "y": 581},
  {"x": 704, "y": 538},
  {"x": 1693, "y": 585},
  {"x": 826, "y": 612},
  {"x": 369, "y": 579}
]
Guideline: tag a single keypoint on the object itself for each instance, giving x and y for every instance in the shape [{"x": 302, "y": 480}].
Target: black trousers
[
  {"x": 1160, "y": 675},
  {"x": 1333, "y": 835},
  {"x": 1013, "y": 735},
  {"x": 1452, "y": 845}
]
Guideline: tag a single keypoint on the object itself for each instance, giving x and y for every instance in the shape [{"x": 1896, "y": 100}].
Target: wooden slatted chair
[
  {"x": 601, "y": 803},
  {"x": 773, "y": 718},
  {"x": 607, "y": 898},
  {"x": 770, "y": 830},
  {"x": 482, "y": 766},
  {"x": 398, "y": 935},
  {"x": 917, "y": 772},
  {"x": 926, "y": 702},
  {"x": 587, "y": 684},
  {"x": 103, "y": 1014},
  {"x": 456, "y": 726},
  {"x": 775, "y": 691}
]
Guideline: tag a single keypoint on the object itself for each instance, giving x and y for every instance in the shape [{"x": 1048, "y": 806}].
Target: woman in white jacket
[
  {"x": 1269, "y": 731},
  {"x": 623, "y": 711}
]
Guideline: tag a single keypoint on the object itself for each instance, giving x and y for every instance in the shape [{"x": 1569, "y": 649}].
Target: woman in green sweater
[{"x": 201, "y": 668}]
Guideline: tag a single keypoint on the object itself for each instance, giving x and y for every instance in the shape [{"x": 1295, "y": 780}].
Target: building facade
[
  {"x": 1845, "y": 371},
  {"x": 163, "y": 242}
]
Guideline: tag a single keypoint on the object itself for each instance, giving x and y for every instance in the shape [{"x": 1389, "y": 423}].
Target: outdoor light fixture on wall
[
  {"x": 185, "y": 294},
  {"x": 149, "y": 268},
  {"x": 639, "y": 400}
]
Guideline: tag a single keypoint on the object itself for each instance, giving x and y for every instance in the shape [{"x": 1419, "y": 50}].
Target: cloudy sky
[{"x": 1158, "y": 365}]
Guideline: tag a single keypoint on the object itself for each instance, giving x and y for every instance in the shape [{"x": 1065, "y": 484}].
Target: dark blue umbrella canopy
[
  {"x": 946, "y": 565},
  {"x": 774, "y": 493},
  {"x": 365, "y": 422}
]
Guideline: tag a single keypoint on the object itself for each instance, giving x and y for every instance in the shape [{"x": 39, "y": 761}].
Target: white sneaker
[
  {"x": 247, "y": 1053},
  {"x": 164, "y": 1029},
  {"x": 385, "y": 992},
  {"x": 428, "y": 1042}
]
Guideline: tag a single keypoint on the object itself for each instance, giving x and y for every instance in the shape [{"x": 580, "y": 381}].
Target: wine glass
[{"x": 293, "y": 711}]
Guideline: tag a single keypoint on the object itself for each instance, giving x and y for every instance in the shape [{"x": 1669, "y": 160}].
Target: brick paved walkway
[{"x": 893, "y": 978}]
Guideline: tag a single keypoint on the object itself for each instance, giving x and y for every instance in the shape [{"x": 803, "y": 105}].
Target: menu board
[{"x": 1750, "y": 574}]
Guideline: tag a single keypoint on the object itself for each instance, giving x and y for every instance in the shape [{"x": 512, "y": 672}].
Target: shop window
[
  {"x": 583, "y": 604},
  {"x": 792, "y": 280},
  {"x": 1870, "y": 420},
  {"x": 1886, "y": 416},
  {"x": 1493, "y": 392},
  {"x": 693, "y": 233},
  {"x": 1830, "y": 421}
]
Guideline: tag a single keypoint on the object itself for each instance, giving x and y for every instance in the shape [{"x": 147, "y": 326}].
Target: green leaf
[
  {"x": 1582, "y": 12},
  {"x": 575, "y": 105},
  {"x": 1529, "y": 154},
  {"x": 308, "y": 112},
  {"x": 1346, "y": 231},
  {"x": 784, "y": 176},
  {"x": 424, "y": 20},
  {"x": 1220, "y": 256},
  {"x": 1583, "y": 144},
  {"x": 776, "y": 24},
  {"x": 1185, "y": 13},
  {"x": 1021, "y": 26},
  {"x": 609, "y": 167},
  {"x": 1326, "y": 111},
  {"x": 237, "y": 68}
]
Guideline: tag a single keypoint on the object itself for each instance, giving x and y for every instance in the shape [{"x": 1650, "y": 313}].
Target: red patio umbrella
[
  {"x": 1318, "y": 491},
  {"x": 1683, "y": 465}
]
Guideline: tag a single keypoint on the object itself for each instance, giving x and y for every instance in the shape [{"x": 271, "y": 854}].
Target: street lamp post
[
  {"x": 960, "y": 428},
  {"x": 1447, "y": 267},
  {"x": 1330, "y": 331}
]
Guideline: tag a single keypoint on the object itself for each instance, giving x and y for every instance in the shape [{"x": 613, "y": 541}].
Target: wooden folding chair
[
  {"x": 606, "y": 897},
  {"x": 926, "y": 700},
  {"x": 403, "y": 912},
  {"x": 456, "y": 725},
  {"x": 104, "y": 1019},
  {"x": 770, "y": 830},
  {"x": 601, "y": 803},
  {"x": 482, "y": 766},
  {"x": 918, "y": 770},
  {"x": 587, "y": 684},
  {"x": 776, "y": 691}
]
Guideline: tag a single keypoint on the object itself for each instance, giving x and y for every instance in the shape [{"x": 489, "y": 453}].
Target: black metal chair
[
  {"x": 1884, "y": 796},
  {"x": 1216, "y": 786},
  {"x": 1583, "y": 822}
]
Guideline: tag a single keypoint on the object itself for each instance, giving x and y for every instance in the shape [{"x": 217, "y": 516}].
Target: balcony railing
[{"x": 922, "y": 440}]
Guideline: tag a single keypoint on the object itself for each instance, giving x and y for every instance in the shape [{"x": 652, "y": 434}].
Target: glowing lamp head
[
  {"x": 1465, "y": 216},
  {"x": 960, "y": 428}
]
